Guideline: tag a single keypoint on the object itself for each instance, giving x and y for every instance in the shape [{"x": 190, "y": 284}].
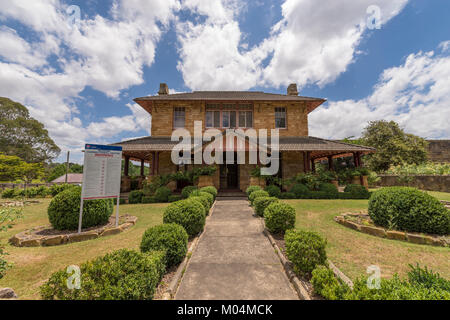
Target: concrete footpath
[{"x": 234, "y": 260}]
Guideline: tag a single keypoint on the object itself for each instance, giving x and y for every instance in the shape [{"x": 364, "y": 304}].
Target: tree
[
  {"x": 13, "y": 168},
  {"x": 394, "y": 146},
  {"x": 23, "y": 136},
  {"x": 59, "y": 169}
]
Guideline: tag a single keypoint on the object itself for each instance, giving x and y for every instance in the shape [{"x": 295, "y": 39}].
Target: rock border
[
  {"x": 30, "y": 238},
  {"x": 415, "y": 238},
  {"x": 172, "y": 289}
]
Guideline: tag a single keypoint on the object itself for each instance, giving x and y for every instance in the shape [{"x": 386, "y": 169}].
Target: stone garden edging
[
  {"x": 380, "y": 232},
  {"x": 32, "y": 238},
  {"x": 171, "y": 291}
]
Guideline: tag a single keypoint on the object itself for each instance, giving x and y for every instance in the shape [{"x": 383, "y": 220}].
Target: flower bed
[{"x": 361, "y": 222}]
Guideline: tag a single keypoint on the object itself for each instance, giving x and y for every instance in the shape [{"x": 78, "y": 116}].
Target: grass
[
  {"x": 33, "y": 266},
  {"x": 354, "y": 251}
]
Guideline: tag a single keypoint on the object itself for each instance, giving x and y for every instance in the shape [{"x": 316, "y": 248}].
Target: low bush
[
  {"x": 357, "y": 191},
  {"x": 279, "y": 217},
  {"x": 252, "y": 189},
  {"x": 187, "y": 191},
  {"x": 175, "y": 198},
  {"x": 327, "y": 285},
  {"x": 287, "y": 195},
  {"x": 273, "y": 191},
  {"x": 319, "y": 195},
  {"x": 58, "y": 188},
  {"x": 170, "y": 238},
  {"x": 186, "y": 213},
  {"x": 148, "y": 200},
  {"x": 211, "y": 190},
  {"x": 409, "y": 209},
  {"x": 330, "y": 189},
  {"x": 300, "y": 191},
  {"x": 209, "y": 197},
  {"x": 64, "y": 210},
  {"x": 262, "y": 203},
  {"x": 305, "y": 249},
  {"x": 122, "y": 201},
  {"x": 120, "y": 275},
  {"x": 162, "y": 194},
  {"x": 8, "y": 193},
  {"x": 257, "y": 194},
  {"x": 135, "y": 197},
  {"x": 203, "y": 202}
]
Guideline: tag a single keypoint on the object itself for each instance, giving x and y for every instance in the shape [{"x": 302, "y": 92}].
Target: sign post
[{"x": 101, "y": 176}]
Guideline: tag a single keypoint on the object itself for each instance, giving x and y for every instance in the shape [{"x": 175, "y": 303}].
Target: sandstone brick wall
[
  {"x": 430, "y": 183},
  {"x": 439, "y": 150},
  {"x": 264, "y": 117},
  {"x": 292, "y": 164}
]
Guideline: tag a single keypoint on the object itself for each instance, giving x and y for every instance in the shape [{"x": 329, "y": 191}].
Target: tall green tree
[
  {"x": 13, "y": 168},
  {"x": 23, "y": 136},
  {"x": 394, "y": 146}
]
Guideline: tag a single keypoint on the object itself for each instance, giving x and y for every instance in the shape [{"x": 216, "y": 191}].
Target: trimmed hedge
[
  {"x": 273, "y": 191},
  {"x": 170, "y": 238},
  {"x": 175, "y": 198},
  {"x": 357, "y": 191},
  {"x": 64, "y": 210},
  {"x": 203, "y": 202},
  {"x": 330, "y": 190},
  {"x": 135, "y": 197},
  {"x": 185, "y": 193},
  {"x": 409, "y": 209},
  {"x": 279, "y": 217},
  {"x": 300, "y": 191},
  {"x": 147, "y": 200},
  {"x": 121, "y": 275},
  {"x": 251, "y": 189},
  {"x": 305, "y": 249},
  {"x": 262, "y": 203},
  {"x": 211, "y": 190},
  {"x": 257, "y": 194},
  {"x": 186, "y": 213},
  {"x": 162, "y": 194},
  {"x": 287, "y": 195},
  {"x": 58, "y": 188}
]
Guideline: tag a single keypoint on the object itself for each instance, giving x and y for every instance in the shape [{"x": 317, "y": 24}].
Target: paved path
[{"x": 234, "y": 260}]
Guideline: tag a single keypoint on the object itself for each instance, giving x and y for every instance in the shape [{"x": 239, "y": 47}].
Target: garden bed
[
  {"x": 361, "y": 222},
  {"x": 46, "y": 236}
]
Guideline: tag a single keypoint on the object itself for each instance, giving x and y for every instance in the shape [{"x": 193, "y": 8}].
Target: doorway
[{"x": 229, "y": 175}]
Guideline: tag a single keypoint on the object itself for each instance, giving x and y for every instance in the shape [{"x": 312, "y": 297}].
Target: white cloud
[
  {"x": 314, "y": 43},
  {"x": 415, "y": 94}
]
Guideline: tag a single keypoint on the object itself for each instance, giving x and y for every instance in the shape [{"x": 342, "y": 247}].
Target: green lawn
[
  {"x": 33, "y": 266},
  {"x": 354, "y": 251}
]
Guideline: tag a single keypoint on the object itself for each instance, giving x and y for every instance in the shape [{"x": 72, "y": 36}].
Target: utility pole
[{"x": 67, "y": 166}]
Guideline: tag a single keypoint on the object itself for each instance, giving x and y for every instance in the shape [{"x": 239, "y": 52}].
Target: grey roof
[
  {"x": 228, "y": 96},
  {"x": 285, "y": 143},
  {"x": 71, "y": 178}
]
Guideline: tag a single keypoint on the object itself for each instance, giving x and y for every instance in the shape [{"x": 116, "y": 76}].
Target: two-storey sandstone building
[{"x": 233, "y": 110}]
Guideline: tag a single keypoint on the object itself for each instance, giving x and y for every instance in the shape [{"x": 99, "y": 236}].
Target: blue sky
[{"x": 80, "y": 79}]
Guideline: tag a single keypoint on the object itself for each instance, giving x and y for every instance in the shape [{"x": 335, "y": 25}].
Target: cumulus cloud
[{"x": 415, "y": 94}]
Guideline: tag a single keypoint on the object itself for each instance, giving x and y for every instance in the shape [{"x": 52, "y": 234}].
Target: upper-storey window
[
  {"x": 280, "y": 118},
  {"x": 179, "y": 117},
  {"x": 229, "y": 115}
]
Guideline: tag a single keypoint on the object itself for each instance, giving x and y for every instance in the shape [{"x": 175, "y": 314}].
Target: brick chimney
[
  {"x": 292, "y": 90},
  {"x": 163, "y": 89}
]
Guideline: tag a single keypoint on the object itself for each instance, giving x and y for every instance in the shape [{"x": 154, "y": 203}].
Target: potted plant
[
  {"x": 205, "y": 176},
  {"x": 356, "y": 177},
  {"x": 364, "y": 177}
]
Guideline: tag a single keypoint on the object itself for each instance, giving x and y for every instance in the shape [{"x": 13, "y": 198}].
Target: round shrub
[
  {"x": 135, "y": 197},
  {"x": 187, "y": 191},
  {"x": 120, "y": 275},
  {"x": 211, "y": 190},
  {"x": 305, "y": 249},
  {"x": 162, "y": 194},
  {"x": 170, "y": 238},
  {"x": 252, "y": 189},
  {"x": 209, "y": 197},
  {"x": 64, "y": 210},
  {"x": 409, "y": 209},
  {"x": 279, "y": 217},
  {"x": 300, "y": 190},
  {"x": 357, "y": 191},
  {"x": 325, "y": 283},
  {"x": 257, "y": 194},
  {"x": 262, "y": 203},
  {"x": 58, "y": 188},
  {"x": 329, "y": 190},
  {"x": 203, "y": 202},
  {"x": 273, "y": 191},
  {"x": 8, "y": 193},
  {"x": 188, "y": 214},
  {"x": 175, "y": 198}
]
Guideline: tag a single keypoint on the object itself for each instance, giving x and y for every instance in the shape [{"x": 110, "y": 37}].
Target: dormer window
[{"x": 179, "y": 118}]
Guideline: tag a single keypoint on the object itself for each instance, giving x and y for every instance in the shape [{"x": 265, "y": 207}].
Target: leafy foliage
[
  {"x": 135, "y": 197},
  {"x": 409, "y": 209},
  {"x": 170, "y": 238},
  {"x": 187, "y": 191},
  {"x": 186, "y": 213},
  {"x": 57, "y": 170},
  {"x": 251, "y": 189},
  {"x": 64, "y": 209},
  {"x": 273, "y": 191},
  {"x": 13, "y": 168},
  {"x": 120, "y": 275},
  {"x": 279, "y": 217},
  {"x": 305, "y": 249},
  {"x": 257, "y": 194},
  {"x": 24, "y": 136},
  {"x": 162, "y": 194},
  {"x": 262, "y": 203},
  {"x": 300, "y": 191},
  {"x": 211, "y": 190},
  {"x": 7, "y": 218},
  {"x": 357, "y": 191},
  {"x": 428, "y": 168}
]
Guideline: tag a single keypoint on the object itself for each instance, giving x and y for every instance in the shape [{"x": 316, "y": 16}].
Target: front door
[{"x": 232, "y": 176}]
